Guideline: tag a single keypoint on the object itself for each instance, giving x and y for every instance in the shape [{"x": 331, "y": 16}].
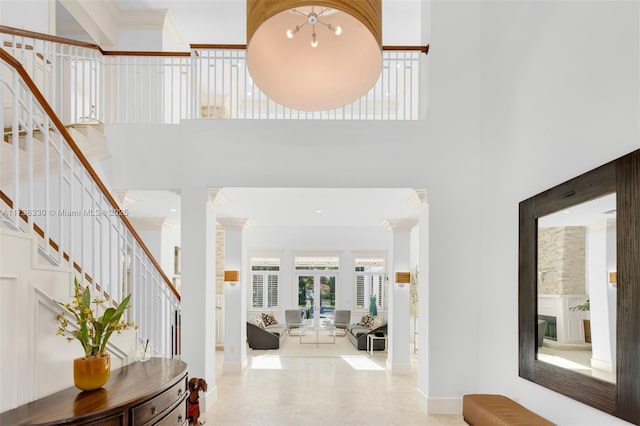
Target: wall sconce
[
  {"x": 613, "y": 278},
  {"x": 403, "y": 278},
  {"x": 232, "y": 277}
]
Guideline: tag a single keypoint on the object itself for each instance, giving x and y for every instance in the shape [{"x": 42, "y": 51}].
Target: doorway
[{"x": 316, "y": 288}]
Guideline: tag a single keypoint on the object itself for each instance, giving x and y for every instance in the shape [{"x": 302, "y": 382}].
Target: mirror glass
[{"x": 576, "y": 288}]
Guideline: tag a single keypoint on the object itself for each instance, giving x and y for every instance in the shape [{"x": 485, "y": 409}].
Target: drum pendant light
[{"x": 314, "y": 55}]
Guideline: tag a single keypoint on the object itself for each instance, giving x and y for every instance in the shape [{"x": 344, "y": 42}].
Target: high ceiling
[{"x": 224, "y": 21}]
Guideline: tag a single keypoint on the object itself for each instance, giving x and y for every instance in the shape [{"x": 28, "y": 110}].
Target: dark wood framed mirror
[{"x": 619, "y": 394}]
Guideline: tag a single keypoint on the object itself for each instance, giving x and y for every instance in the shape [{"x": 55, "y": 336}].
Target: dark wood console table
[{"x": 142, "y": 393}]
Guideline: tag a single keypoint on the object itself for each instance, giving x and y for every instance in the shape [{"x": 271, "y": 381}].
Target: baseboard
[
  {"x": 423, "y": 400},
  {"x": 209, "y": 398},
  {"x": 444, "y": 405},
  {"x": 601, "y": 365}
]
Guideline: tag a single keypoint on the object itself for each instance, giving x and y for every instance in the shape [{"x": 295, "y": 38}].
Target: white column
[
  {"x": 198, "y": 221},
  {"x": 235, "y": 296},
  {"x": 398, "y": 361},
  {"x": 423, "y": 303}
]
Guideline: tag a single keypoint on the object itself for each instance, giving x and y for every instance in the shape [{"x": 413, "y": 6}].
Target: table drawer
[
  {"x": 177, "y": 417},
  {"x": 157, "y": 407}
]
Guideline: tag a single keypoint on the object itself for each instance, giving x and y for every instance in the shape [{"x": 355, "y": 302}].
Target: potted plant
[
  {"x": 93, "y": 331},
  {"x": 586, "y": 323}
]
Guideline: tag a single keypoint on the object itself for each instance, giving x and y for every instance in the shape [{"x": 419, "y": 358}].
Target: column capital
[
  {"x": 217, "y": 197},
  {"x": 418, "y": 198},
  {"x": 235, "y": 223},
  {"x": 399, "y": 225}
]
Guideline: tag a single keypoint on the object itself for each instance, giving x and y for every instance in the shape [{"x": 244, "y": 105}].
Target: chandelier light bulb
[
  {"x": 314, "y": 41},
  {"x": 289, "y": 34},
  {"x": 338, "y": 30}
]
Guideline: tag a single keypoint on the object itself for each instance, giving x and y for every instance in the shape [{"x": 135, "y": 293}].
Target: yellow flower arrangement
[{"x": 91, "y": 330}]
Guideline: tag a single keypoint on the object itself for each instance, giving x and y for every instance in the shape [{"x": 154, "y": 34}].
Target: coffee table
[{"x": 329, "y": 328}]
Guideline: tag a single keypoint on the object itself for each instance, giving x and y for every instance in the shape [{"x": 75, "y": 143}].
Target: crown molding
[
  {"x": 418, "y": 198},
  {"x": 399, "y": 224},
  {"x": 217, "y": 197},
  {"x": 148, "y": 223},
  {"x": 234, "y": 223}
]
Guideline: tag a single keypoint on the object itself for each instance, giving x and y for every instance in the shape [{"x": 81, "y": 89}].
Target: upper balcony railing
[{"x": 83, "y": 82}]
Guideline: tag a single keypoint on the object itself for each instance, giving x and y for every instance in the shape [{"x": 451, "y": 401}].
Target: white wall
[
  {"x": 38, "y": 18},
  {"x": 560, "y": 93},
  {"x": 142, "y": 40}
]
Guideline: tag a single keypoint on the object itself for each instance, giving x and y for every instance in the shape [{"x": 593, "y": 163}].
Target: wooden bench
[{"x": 498, "y": 410}]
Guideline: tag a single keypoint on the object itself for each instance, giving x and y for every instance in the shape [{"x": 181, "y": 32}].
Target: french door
[{"x": 317, "y": 294}]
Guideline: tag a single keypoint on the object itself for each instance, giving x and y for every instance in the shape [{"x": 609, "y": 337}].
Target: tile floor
[{"x": 340, "y": 390}]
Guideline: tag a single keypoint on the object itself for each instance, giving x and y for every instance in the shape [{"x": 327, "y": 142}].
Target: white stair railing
[
  {"x": 83, "y": 82},
  {"x": 50, "y": 190}
]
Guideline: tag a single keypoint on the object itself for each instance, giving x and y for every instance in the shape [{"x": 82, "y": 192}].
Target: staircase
[
  {"x": 59, "y": 221},
  {"x": 34, "y": 362}
]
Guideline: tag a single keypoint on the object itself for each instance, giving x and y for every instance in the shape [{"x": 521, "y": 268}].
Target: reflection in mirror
[{"x": 577, "y": 289}]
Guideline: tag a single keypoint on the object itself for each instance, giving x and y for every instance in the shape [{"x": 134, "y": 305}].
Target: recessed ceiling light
[
  {"x": 567, "y": 211},
  {"x": 173, "y": 210},
  {"x": 318, "y": 211}
]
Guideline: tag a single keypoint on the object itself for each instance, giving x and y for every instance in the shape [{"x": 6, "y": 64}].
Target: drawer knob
[
  {"x": 153, "y": 409},
  {"x": 180, "y": 392},
  {"x": 180, "y": 419}
]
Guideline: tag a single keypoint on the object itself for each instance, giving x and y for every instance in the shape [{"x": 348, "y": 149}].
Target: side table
[{"x": 372, "y": 338}]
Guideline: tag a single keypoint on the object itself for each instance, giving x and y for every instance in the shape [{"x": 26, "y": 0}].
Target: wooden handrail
[
  {"x": 4, "y": 55},
  {"x": 9, "y": 202},
  {"x": 46, "y": 37},
  {"x": 40, "y": 36},
  {"x": 195, "y": 46}
]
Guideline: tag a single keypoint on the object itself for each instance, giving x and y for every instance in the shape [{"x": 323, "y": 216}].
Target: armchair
[
  {"x": 342, "y": 319},
  {"x": 292, "y": 319}
]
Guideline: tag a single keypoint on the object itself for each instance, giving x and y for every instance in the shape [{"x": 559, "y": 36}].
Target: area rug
[{"x": 291, "y": 347}]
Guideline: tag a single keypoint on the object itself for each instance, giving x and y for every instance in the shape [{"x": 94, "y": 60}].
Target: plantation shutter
[
  {"x": 370, "y": 281},
  {"x": 360, "y": 290},
  {"x": 265, "y": 273},
  {"x": 378, "y": 283},
  {"x": 257, "y": 287},
  {"x": 272, "y": 291}
]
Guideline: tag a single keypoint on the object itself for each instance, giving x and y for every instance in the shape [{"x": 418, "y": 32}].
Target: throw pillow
[
  {"x": 259, "y": 323},
  {"x": 268, "y": 319},
  {"x": 366, "y": 320},
  {"x": 377, "y": 322}
]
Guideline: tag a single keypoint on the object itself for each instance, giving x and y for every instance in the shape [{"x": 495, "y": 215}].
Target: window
[
  {"x": 265, "y": 279},
  {"x": 370, "y": 281}
]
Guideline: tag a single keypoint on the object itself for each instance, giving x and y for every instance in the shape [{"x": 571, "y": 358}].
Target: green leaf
[
  {"x": 86, "y": 298},
  {"x": 107, "y": 317}
]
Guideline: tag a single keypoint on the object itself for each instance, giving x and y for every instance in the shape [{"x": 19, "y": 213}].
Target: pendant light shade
[{"x": 314, "y": 55}]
